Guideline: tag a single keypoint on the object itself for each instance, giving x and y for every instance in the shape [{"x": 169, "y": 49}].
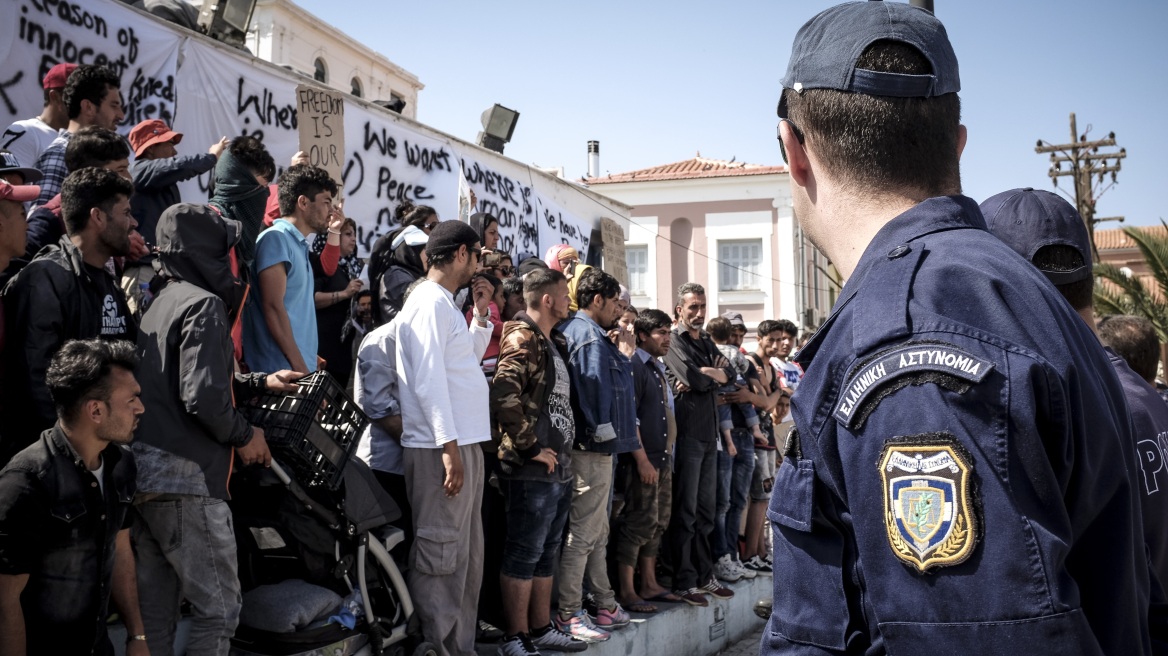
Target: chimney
[{"x": 593, "y": 159}]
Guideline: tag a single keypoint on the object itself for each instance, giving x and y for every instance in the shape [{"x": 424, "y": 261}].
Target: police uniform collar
[{"x": 895, "y": 241}]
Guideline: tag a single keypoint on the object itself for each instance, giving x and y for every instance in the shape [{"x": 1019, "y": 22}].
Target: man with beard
[
  {"x": 64, "y": 511},
  {"x": 606, "y": 424},
  {"x": 438, "y": 368},
  {"x": 187, "y": 442},
  {"x": 66, "y": 293},
  {"x": 696, "y": 370},
  {"x": 280, "y": 322},
  {"x": 534, "y": 429}
]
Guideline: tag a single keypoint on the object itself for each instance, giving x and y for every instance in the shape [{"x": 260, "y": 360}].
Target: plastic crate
[{"x": 312, "y": 432}]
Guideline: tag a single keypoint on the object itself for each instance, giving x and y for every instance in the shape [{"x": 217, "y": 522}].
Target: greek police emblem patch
[{"x": 929, "y": 506}]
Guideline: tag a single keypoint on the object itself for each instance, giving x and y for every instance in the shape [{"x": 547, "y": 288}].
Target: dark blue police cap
[
  {"x": 827, "y": 47},
  {"x": 1028, "y": 219}
]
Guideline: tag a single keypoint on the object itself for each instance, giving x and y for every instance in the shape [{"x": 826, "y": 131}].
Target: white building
[
  {"x": 728, "y": 226},
  {"x": 288, "y": 35}
]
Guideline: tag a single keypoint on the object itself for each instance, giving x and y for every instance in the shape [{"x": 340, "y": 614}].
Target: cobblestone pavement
[{"x": 747, "y": 646}]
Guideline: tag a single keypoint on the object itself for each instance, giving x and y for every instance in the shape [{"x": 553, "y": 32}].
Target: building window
[
  {"x": 739, "y": 264},
  {"x": 320, "y": 72},
  {"x": 637, "y": 260},
  {"x": 356, "y": 84}
]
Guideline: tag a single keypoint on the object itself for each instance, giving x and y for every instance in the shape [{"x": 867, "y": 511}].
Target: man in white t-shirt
[
  {"x": 791, "y": 373},
  {"x": 28, "y": 138},
  {"x": 438, "y": 370}
]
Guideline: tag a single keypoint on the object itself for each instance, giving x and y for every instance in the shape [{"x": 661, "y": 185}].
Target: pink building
[{"x": 726, "y": 225}]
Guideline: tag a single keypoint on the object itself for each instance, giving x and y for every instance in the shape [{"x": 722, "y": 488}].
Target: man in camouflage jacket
[{"x": 533, "y": 424}]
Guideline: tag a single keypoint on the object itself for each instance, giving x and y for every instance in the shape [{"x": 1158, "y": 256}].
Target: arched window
[
  {"x": 356, "y": 87},
  {"x": 320, "y": 72}
]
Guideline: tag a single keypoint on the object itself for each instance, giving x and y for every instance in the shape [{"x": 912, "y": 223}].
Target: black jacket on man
[
  {"x": 185, "y": 440},
  {"x": 56, "y": 298}
]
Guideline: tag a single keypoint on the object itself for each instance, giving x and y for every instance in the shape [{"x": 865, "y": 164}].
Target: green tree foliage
[{"x": 1129, "y": 295}]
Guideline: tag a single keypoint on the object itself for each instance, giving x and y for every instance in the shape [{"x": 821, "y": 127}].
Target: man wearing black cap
[
  {"x": 957, "y": 479},
  {"x": 438, "y": 370},
  {"x": 1050, "y": 234}
]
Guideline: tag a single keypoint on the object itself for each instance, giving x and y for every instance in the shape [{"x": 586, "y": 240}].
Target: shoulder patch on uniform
[
  {"x": 920, "y": 358},
  {"x": 930, "y": 507}
]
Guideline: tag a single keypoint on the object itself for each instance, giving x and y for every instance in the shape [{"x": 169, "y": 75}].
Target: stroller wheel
[{"x": 425, "y": 649}]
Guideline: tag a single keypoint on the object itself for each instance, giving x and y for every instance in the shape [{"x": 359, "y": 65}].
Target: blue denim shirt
[
  {"x": 602, "y": 388},
  {"x": 961, "y": 476}
]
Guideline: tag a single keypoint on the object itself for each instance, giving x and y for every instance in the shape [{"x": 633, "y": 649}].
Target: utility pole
[{"x": 1088, "y": 170}]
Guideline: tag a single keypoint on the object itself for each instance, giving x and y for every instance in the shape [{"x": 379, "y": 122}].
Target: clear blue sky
[{"x": 655, "y": 82}]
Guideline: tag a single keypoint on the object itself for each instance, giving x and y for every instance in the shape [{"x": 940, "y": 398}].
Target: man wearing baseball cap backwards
[
  {"x": 957, "y": 479},
  {"x": 28, "y": 138},
  {"x": 1050, "y": 234}
]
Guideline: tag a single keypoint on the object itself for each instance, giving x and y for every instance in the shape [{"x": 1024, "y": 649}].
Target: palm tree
[{"x": 1128, "y": 294}]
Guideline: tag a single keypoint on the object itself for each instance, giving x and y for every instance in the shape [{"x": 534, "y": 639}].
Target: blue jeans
[
  {"x": 537, "y": 512},
  {"x": 186, "y": 549},
  {"x": 734, "y": 476}
]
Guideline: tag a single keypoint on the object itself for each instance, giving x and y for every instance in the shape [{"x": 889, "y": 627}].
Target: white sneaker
[
  {"x": 725, "y": 569},
  {"x": 746, "y": 572}
]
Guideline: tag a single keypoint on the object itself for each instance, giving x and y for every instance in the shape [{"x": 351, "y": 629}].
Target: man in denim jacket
[{"x": 602, "y": 400}]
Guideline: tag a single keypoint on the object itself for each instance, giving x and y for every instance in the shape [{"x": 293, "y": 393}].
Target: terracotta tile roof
[
  {"x": 1115, "y": 239},
  {"x": 697, "y": 167}
]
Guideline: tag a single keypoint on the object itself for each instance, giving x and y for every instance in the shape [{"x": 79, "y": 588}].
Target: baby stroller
[{"x": 319, "y": 519}]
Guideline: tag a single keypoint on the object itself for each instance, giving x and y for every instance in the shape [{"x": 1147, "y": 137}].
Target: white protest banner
[
  {"x": 558, "y": 226},
  {"x": 389, "y": 162},
  {"x": 35, "y": 35},
  {"x": 321, "y": 116}
]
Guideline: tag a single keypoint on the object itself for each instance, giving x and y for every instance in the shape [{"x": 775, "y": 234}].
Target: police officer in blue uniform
[{"x": 957, "y": 481}]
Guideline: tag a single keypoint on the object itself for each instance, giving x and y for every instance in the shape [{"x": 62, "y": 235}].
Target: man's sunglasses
[{"x": 779, "y": 135}]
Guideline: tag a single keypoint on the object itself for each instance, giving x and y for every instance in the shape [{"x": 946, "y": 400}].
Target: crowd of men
[
  {"x": 964, "y": 466},
  {"x": 518, "y": 414}
]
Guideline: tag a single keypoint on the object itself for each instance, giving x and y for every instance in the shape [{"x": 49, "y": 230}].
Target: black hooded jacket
[{"x": 185, "y": 440}]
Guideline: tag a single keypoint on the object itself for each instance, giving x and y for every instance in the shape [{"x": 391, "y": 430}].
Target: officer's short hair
[
  {"x": 1060, "y": 257},
  {"x": 1135, "y": 340},
  {"x": 80, "y": 371},
  {"x": 881, "y": 141}
]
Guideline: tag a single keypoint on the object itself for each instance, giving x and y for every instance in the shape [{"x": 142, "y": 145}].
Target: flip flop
[
  {"x": 641, "y": 608},
  {"x": 667, "y": 597}
]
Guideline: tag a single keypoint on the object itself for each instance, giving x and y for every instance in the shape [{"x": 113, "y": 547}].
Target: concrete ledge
[{"x": 683, "y": 629}]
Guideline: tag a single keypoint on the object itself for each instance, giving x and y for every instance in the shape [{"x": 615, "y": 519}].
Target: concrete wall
[{"x": 285, "y": 34}]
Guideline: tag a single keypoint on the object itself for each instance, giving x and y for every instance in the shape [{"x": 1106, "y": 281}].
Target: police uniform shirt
[{"x": 958, "y": 480}]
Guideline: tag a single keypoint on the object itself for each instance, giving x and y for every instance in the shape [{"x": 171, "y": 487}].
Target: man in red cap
[
  {"x": 29, "y": 138},
  {"x": 157, "y": 170}
]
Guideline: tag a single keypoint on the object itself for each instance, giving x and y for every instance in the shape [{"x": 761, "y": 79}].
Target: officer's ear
[
  {"x": 962, "y": 136},
  {"x": 798, "y": 163}
]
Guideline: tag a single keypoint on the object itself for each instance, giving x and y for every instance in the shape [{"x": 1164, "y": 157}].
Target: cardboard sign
[
  {"x": 613, "y": 239},
  {"x": 321, "y": 119}
]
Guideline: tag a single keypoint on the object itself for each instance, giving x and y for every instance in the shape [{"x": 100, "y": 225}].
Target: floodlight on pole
[
  {"x": 498, "y": 126},
  {"x": 226, "y": 20}
]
